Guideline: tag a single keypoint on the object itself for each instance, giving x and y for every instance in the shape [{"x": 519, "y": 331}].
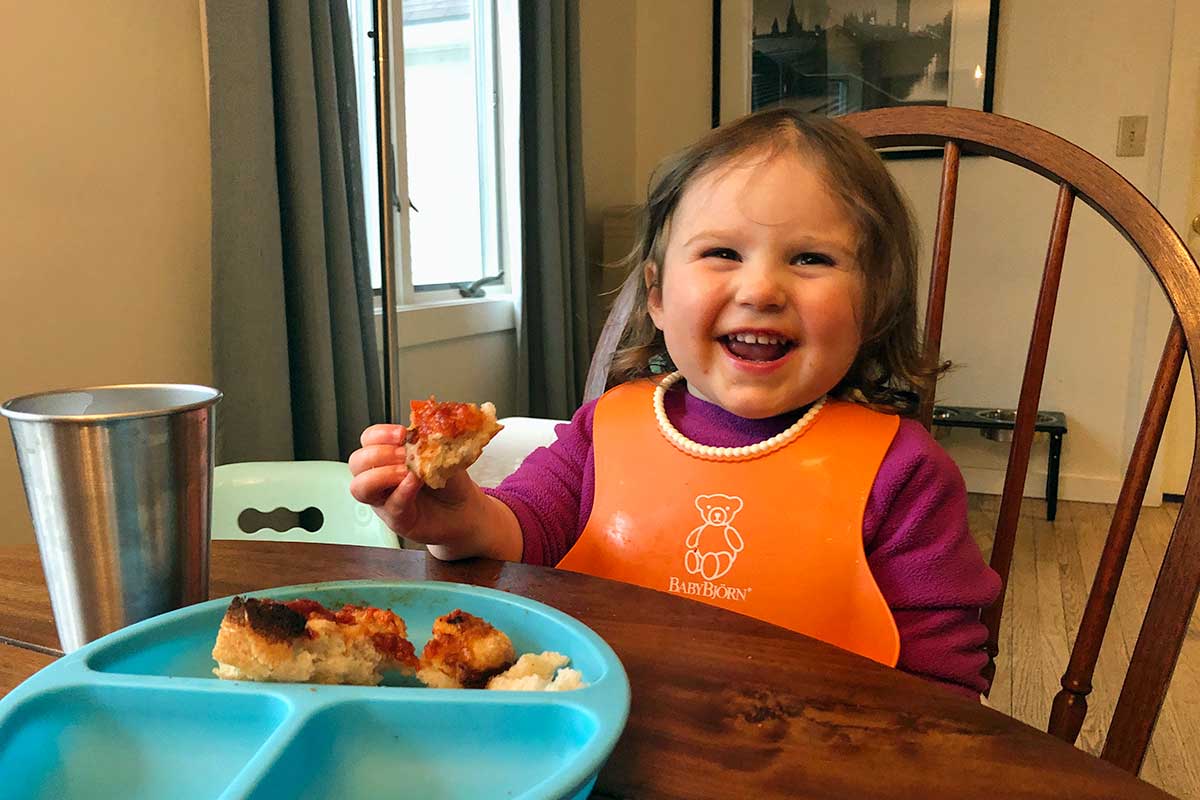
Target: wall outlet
[{"x": 1131, "y": 136}]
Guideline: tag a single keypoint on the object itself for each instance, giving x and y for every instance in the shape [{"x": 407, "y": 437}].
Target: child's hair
[{"x": 891, "y": 369}]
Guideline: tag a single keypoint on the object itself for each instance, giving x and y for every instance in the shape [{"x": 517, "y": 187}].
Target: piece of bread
[
  {"x": 444, "y": 438},
  {"x": 464, "y": 653},
  {"x": 536, "y": 672},
  {"x": 301, "y": 641}
]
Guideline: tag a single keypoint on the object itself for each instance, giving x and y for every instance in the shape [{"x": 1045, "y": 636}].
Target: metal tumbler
[{"x": 119, "y": 484}]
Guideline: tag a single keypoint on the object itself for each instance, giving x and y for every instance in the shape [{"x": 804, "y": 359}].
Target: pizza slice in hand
[{"x": 444, "y": 438}]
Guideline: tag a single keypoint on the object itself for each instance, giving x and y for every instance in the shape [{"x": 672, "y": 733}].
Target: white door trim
[{"x": 1179, "y": 200}]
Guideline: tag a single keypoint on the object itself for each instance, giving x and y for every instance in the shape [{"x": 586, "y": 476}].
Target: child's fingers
[
  {"x": 399, "y": 504},
  {"x": 383, "y": 434},
  {"x": 375, "y": 486},
  {"x": 376, "y": 455}
]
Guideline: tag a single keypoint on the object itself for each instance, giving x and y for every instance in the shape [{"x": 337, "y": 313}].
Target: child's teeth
[{"x": 751, "y": 338}]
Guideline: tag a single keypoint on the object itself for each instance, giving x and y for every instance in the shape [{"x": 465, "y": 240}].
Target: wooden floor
[{"x": 1053, "y": 566}]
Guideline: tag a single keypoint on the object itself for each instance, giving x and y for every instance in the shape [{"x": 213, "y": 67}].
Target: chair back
[
  {"x": 505, "y": 452},
  {"x": 309, "y": 500}
]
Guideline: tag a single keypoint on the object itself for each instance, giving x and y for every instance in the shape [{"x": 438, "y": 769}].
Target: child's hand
[
  {"x": 382, "y": 481},
  {"x": 457, "y": 521}
]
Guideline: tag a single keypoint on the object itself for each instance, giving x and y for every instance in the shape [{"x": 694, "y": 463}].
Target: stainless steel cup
[{"x": 119, "y": 484}]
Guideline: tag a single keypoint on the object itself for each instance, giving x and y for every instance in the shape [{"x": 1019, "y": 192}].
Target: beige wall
[
  {"x": 646, "y": 70},
  {"x": 1056, "y": 69},
  {"x": 674, "y": 69},
  {"x": 105, "y": 203},
  {"x": 608, "y": 64},
  {"x": 608, "y": 55}
]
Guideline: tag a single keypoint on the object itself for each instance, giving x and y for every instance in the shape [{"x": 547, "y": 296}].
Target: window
[{"x": 449, "y": 59}]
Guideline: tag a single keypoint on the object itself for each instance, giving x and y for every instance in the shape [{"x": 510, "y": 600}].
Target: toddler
[{"x": 753, "y": 453}]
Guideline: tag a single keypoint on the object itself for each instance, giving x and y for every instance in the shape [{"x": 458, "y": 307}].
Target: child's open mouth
[{"x": 760, "y": 347}]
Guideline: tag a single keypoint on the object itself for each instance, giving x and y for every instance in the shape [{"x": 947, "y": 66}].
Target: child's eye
[
  {"x": 722, "y": 253},
  {"x": 812, "y": 258}
]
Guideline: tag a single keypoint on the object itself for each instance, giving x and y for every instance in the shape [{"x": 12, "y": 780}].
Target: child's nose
[{"x": 759, "y": 287}]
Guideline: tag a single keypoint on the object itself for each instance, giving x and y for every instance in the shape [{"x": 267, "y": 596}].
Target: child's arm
[
  {"x": 926, "y": 564},
  {"x": 551, "y": 492},
  {"x": 458, "y": 521}
]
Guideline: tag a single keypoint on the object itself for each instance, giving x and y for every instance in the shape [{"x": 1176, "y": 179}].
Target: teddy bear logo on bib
[{"x": 713, "y": 546}]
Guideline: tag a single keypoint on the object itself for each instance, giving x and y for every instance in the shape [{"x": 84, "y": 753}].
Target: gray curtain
[
  {"x": 293, "y": 320},
  {"x": 554, "y": 326}
]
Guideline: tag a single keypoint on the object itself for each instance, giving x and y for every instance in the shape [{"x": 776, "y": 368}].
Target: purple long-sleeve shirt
[{"x": 920, "y": 552}]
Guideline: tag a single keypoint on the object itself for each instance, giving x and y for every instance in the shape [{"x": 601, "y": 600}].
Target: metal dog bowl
[
  {"x": 941, "y": 413},
  {"x": 1005, "y": 415}
]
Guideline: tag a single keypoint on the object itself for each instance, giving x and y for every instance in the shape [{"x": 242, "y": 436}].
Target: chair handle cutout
[{"x": 251, "y": 520}]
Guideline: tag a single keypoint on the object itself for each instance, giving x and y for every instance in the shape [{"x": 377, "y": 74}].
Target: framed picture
[{"x": 836, "y": 57}]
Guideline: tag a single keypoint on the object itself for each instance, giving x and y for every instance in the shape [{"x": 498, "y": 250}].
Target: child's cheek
[{"x": 837, "y": 309}]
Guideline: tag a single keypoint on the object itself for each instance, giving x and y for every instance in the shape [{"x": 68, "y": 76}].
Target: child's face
[{"x": 760, "y": 249}]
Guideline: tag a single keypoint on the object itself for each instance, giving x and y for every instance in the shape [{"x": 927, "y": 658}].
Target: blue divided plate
[{"x": 139, "y": 714}]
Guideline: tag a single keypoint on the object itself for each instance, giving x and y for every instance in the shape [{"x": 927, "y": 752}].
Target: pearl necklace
[{"x": 685, "y": 444}]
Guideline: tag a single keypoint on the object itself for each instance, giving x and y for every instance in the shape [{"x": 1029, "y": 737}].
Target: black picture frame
[{"x": 889, "y": 42}]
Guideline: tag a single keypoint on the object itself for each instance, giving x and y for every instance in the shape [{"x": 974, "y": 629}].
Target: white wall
[
  {"x": 1072, "y": 86},
  {"x": 1072, "y": 73},
  {"x": 434, "y": 368},
  {"x": 105, "y": 206},
  {"x": 457, "y": 352}
]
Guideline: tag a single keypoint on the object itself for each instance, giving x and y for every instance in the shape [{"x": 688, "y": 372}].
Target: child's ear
[{"x": 653, "y": 292}]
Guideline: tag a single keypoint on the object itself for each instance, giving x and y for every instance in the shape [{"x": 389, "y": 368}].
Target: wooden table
[{"x": 723, "y": 706}]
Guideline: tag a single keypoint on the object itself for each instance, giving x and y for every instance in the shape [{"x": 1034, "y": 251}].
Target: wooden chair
[{"x": 1078, "y": 175}]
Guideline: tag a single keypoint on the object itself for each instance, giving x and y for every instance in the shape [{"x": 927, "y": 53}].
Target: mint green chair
[{"x": 249, "y": 491}]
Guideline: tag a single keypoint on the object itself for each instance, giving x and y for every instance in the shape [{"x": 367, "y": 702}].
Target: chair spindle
[
  {"x": 1031, "y": 390},
  {"x": 1070, "y": 704},
  {"x": 935, "y": 308}
]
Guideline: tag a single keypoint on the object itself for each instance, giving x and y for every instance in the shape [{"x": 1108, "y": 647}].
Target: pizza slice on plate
[
  {"x": 444, "y": 438},
  {"x": 303, "y": 641},
  {"x": 464, "y": 652}
]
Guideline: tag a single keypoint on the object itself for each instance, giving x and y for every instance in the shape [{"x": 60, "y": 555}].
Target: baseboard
[{"x": 1083, "y": 488}]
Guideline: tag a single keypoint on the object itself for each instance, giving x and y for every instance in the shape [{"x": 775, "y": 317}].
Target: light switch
[{"x": 1131, "y": 136}]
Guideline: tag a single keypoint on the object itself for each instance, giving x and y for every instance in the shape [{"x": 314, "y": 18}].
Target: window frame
[{"x": 496, "y": 99}]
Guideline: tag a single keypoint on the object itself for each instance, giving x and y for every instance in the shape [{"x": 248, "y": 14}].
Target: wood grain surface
[{"x": 723, "y": 705}]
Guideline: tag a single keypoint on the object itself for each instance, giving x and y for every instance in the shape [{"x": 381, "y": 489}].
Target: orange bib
[{"x": 777, "y": 536}]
